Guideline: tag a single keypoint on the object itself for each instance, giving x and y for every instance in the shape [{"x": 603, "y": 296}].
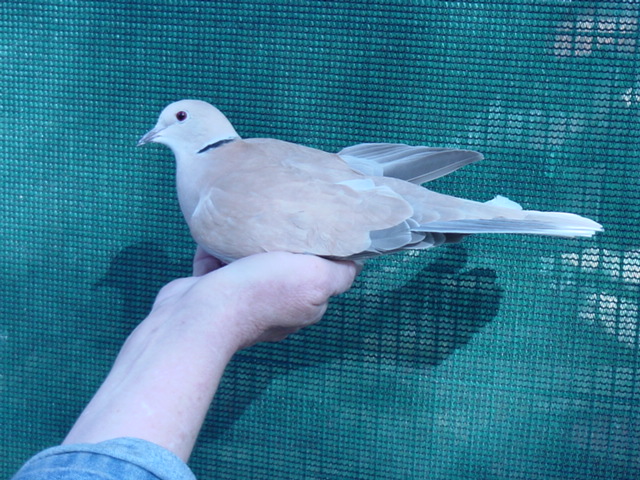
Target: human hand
[{"x": 264, "y": 297}]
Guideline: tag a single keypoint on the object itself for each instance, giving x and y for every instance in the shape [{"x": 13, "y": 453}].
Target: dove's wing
[
  {"x": 263, "y": 195},
  {"x": 414, "y": 164}
]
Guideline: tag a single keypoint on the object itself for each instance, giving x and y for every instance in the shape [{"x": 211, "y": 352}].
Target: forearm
[
  {"x": 168, "y": 370},
  {"x": 161, "y": 384}
]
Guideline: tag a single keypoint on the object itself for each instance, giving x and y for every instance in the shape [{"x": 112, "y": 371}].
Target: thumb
[{"x": 344, "y": 273}]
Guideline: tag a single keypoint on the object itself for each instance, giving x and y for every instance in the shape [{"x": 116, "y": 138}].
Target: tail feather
[{"x": 530, "y": 222}]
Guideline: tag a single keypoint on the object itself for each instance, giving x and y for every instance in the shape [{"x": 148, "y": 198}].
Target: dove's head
[{"x": 188, "y": 126}]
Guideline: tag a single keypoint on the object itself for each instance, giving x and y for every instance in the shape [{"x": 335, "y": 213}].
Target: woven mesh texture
[{"x": 497, "y": 358}]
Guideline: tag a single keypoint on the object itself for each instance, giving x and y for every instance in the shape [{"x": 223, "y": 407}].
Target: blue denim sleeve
[{"x": 118, "y": 459}]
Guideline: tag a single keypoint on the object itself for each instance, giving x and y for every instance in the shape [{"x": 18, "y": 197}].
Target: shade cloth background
[{"x": 501, "y": 357}]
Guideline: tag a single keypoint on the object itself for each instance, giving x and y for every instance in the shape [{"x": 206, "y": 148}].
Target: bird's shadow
[
  {"x": 136, "y": 274},
  {"x": 415, "y": 324}
]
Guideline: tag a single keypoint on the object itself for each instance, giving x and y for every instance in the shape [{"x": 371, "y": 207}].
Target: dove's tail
[{"x": 505, "y": 216}]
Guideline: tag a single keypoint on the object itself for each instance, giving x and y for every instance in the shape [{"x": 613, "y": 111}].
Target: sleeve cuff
[{"x": 130, "y": 458}]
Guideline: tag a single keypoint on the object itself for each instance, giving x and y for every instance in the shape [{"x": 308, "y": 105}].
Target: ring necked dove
[{"x": 245, "y": 196}]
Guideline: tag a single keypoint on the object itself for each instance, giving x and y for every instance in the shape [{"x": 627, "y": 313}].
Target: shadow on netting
[
  {"x": 405, "y": 321},
  {"x": 136, "y": 274}
]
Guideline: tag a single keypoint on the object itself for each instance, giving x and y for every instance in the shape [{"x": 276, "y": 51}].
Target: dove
[{"x": 246, "y": 196}]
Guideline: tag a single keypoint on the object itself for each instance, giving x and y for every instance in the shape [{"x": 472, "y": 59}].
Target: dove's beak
[{"x": 150, "y": 136}]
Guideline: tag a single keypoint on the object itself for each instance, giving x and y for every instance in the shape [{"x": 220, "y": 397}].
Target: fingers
[{"x": 204, "y": 263}]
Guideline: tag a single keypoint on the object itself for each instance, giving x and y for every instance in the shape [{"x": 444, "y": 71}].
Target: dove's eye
[{"x": 181, "y": 116}]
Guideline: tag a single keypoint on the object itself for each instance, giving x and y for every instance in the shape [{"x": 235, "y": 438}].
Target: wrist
[{"x": 188, "y": 311}]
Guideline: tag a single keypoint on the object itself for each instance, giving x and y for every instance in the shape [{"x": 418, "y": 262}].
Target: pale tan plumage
[{"x": 241, "y": 197}]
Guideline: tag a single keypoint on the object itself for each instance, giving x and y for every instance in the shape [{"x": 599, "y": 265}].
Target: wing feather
[{"x": 413, "y": 164}]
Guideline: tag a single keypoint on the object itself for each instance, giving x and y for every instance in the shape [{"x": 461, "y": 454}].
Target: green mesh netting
[{"x": 498, "y": 358}]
